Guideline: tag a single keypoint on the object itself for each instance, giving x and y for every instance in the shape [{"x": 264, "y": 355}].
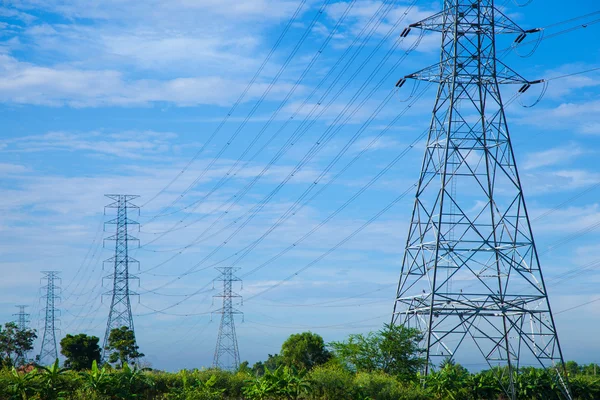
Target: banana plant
[
  {"x": 21, "y": 385},
  {"x": 292, "y": 383},
  {"x": 258, "y": 389},
  {"x": 484, "y": 385},
  {"x": 51, "y": 388},
  {"x": 130, "y": 382},
  {"x": 96, "y": 378},
  {"x": 449, "y": 382},
  {"x": 207, "y": 387},
  {"x": 262, "y": 388}
]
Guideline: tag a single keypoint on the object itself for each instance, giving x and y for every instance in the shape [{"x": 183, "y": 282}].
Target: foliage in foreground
[
  {"x": 382, "y": 365},
  {"x": 326, "y": 382}
]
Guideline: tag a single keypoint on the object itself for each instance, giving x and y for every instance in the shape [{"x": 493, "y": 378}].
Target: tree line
[
  {"x": 80, "y": 351},
  {"x": 381, "y": 365}
]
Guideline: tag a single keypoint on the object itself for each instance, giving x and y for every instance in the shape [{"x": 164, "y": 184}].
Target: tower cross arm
[
  {"x": 117, "y": 221},
  {"x": 494, "y": 21},
  {"x": 444, "y": 72}
]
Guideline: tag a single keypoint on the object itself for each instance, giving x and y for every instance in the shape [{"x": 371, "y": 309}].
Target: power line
[
  {"x": 337, "y": 211},
  {"x": 377, "y": 177},
  {"x": 242, "y": 96},
  {"x": 579, "y": 306},
  {"x": 338, "y": 245},
  {"x": 181, "y": 250},
  {"x": 288, "y": 214},
  {"x": 89, "y": 252},
  {"x": 257, "y": 105},
  {"x": 587, "y": 71},
  {"x": 371, "y": 27},
  {"x": 294, "y": 245},
  {"x": 325, "y": 137}
]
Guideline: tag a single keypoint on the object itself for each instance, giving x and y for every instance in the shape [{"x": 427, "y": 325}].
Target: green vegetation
[
  {"x": 80, "y": 350},
  {"x": 14, "y": 344},
  {"x": 379, "y": 366},
  {"x": 393, "y": 350},
  {"x": 304, "y": 351},
  {"x": 121, "y": 344}
]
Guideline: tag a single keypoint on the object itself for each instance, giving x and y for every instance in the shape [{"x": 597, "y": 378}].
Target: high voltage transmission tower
[
  {"x": 22, "y": 318},
  {"x": 49, "y": 350},
  {"x": 22, "y": 323},
  {"x": 471, "y": 277},
  {"x": 227, "y": 354},
  {"x": 120, "y": 307}
]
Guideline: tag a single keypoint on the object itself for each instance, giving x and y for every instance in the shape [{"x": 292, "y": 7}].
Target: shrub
[{"x": 330, "y": 382}]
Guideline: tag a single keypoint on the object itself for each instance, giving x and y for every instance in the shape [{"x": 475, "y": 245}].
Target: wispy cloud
[
  {"x": 25, "y": 83},
  {"x": 128, "y": 144},
  {"x": 550, "y": 157}
]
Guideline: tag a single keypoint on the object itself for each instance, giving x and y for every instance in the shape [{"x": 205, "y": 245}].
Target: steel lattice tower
[
  {"x": 471, "y": 275},
  {"x": 22, "y": 318},
  {"x": 49, "y": 350},
  {"x": 227, "y": 354},
  {"x": 22, "y": 323},
  {"x": 120, "y": 307}
]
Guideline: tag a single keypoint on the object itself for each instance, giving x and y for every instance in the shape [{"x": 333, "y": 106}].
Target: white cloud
[
  {"x": 181, "y": 37},
  {"x": 541, "y": 183},
  {"x": 567, "y": 220},
  {"x": 157, "y": 10},
  {"x": 129, "y": 144},
  {"x": 383, "y": 143},
  {"x": 8, "y": 170},
  {"x": 12, "y": 13},
  {"x": 363, "y": 11},
  {"x": 167, "y": 52},
  {"x": 551, "y": 157},
  {"x": 127, "y": 53},
  {"x": 25, "y": 83},
  {"x": 581, "y": 117},
  {"x": 591, "y": 128}
]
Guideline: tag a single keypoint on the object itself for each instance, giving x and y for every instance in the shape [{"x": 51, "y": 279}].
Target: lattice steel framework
[
  {"x": 120, "y": 306},
  {"x": 49, "y": 350},
  {"x": 22, "y": 318},
  {"x": 227, "y": 354},
  {"x": 22, "y": 322},
  {"x": 471, "y": 276}
]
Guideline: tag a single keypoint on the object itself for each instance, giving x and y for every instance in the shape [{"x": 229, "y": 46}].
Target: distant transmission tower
[
  {"x": 120, "y": 307},
  {"x": 22, "y": 323},
  {"x": 227, "y": 354},
  {"x": 471, "y": 277},
  {"x": 22, "y": 318},
  {"x": 49, "y": 350}
]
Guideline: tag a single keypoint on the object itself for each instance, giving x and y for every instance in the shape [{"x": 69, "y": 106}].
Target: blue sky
[{"x": 118, "y": 98}]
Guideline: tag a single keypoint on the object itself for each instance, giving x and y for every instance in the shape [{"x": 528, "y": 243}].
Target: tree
[
  {"x": 591, "y": 369},
  {"x": 273, "y": 362},
  {"x": 244, "y": 368},
  {"x": 394, "y": 350},
  {"x": 572, "y": 368},
  {"x": 121, "y": 342},
  {"x": 15, "y": 343},
  {"x": 81, "y": 351},
  {"x": 304, "y": 351}
]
